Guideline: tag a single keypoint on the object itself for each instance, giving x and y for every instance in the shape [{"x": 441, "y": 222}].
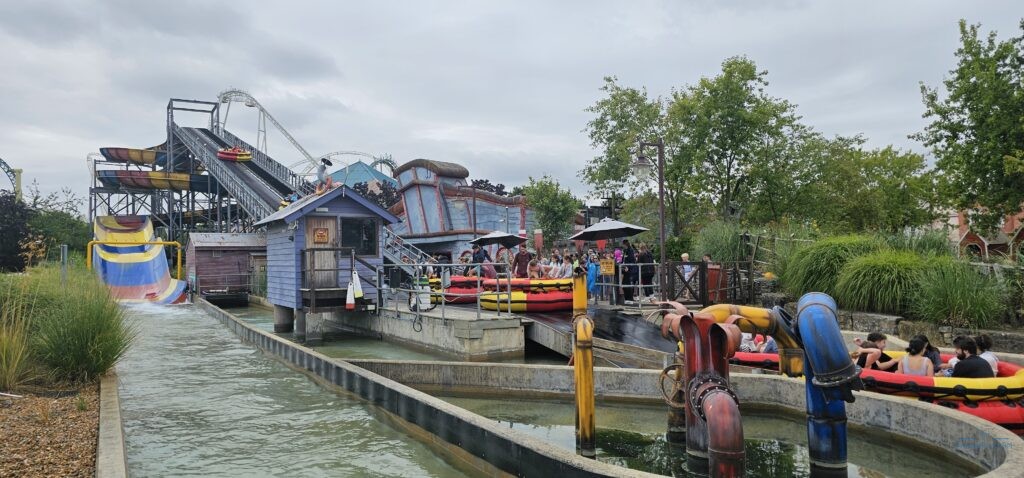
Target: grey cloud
[
  {"x": 46, "y": 23},
  {"x": 500, "y": 87}
]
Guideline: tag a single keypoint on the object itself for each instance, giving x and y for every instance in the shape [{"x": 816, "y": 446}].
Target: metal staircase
[
  {"x": 396, "y": 249},
  {"x": 195, "y": 141}
]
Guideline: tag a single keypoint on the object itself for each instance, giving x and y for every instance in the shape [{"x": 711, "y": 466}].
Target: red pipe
[{"x": 725, "y": 434}]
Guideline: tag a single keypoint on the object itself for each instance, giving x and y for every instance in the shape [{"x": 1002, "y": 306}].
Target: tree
[
  {"x": 59, "y": 227},
  {"x": 729, "y": 125},
  {"x": 486, "y": 185},
  {"x": 383, "y": 194},
  {"x": 715, "y": 133},
  {"x": 976, "y": 131},
  {"x": 14, "y": 217},
  {"x": 856, "y": 190},
  {"x": 554, "y": 207}
]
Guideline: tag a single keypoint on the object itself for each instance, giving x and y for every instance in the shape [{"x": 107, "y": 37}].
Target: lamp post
[{"x": 643, "y": 167}]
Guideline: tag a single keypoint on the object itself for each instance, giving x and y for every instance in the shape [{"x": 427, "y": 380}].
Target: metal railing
[
  {"x": 691, "y": 283},
  {"x": 615, "y": 289},
  {"x": 224, "y": 284},
  {"x": 205, "y": 151},
  {"x": 419, "y": 293},
  {"x": 402, "y": 253},
  {"x": 271, "y": 166}
]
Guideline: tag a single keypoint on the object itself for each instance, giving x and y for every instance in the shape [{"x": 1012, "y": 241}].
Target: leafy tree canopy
[
  {"x": 381, "y": 193},
  {"x": 487, "y": 185},
  {"x": 977, "y": 128},
  {"x": 554, "y": 207},
  {"x": 14, "y": 217}
]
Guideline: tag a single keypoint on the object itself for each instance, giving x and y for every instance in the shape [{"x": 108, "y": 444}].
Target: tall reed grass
[
  {"x": 84, "y": 336},
  {"x": 929, "y": 242},
  {"x": 722, "y": 240},
  {"x": 816, "y": 268},
  {"x": 954, "y": 293},
  {"x": 881, "y": 281},
  {"x": 73, "y": 331},
  {"x": 15, "y": 365}
]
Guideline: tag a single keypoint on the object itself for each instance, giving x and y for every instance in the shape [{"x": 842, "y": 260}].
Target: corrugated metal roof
[{"x": 233, "y": 239}]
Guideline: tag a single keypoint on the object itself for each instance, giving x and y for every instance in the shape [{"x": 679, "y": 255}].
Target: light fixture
[{"x": 642, "y": 167}]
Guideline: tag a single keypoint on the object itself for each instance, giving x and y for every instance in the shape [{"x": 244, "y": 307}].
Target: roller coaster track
[
  {"x": 234, "y": 95},
  {"x": 14, "y": 175}
]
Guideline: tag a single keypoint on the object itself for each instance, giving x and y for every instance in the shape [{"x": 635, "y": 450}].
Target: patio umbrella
[
  {"x": 608, "y": 229},
  {"x": 497, "y": 237}
]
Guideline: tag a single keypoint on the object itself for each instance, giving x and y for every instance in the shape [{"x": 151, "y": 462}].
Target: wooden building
[
  {"x": 312, "y": 247},
  {"x": 441, "y": 212},
  {"x": 225, "y": 265}
]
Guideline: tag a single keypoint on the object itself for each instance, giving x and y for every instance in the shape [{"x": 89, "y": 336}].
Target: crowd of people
[{"x": 973, "y": 359}]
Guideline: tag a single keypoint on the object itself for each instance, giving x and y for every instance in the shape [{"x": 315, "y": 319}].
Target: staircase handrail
[
  {"x": 268, "y": 164},
  {"x": 252, "y": 205}
]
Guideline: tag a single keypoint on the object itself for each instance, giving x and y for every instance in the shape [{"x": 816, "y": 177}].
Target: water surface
[
  {"x": 633, "y": 436},
  {"x": 197, "y": 402}
]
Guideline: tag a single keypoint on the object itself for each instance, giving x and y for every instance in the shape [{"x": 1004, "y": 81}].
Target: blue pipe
[{"x": 831, "y": 378}]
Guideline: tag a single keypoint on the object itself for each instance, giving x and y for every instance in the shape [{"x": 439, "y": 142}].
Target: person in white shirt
[{"x": 984, "y": 344}]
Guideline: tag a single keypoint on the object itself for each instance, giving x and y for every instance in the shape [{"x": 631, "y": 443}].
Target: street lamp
[{"x": 643, "y": 168}]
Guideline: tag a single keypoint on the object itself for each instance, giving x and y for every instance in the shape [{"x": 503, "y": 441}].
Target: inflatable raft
[
  {"x": 458, "y": 285},
  {"x": 999, "y": 400},
  {"x": 528, "y": 295},
  {"x": 234, "y": 154}
]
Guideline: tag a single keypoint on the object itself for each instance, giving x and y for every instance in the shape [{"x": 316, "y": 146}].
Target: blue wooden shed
[{"x": 314, "y": 244}]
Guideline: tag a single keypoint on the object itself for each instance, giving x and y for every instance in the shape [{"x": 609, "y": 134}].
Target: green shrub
[
  {"x": 953, "y": 293},
  {"x": 78, "y": 331},
  {"x": 15, "y": 367},
  {"x": 781, "y": 262},
  {"x": 881, "y": 281},
  {"x": 930, "y": 242},
  {"x": 722, "y": 240},
  {"x": 816, "y": 268}
]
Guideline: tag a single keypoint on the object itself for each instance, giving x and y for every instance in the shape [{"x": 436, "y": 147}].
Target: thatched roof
[{"x": 439, "y": 168}]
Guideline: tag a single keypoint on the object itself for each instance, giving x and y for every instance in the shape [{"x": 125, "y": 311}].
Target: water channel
[
  {"x": 197, "y": 401},
  {"x": 633, "y": 436}
]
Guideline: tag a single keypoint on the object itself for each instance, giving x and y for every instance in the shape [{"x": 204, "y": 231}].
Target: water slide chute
[{"x": 134, "y": 273}]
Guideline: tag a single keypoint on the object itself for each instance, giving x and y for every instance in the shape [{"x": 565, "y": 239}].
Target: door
[{"x": 322, "y": 233}]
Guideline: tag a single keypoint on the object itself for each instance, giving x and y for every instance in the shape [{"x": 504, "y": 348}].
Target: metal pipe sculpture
[
  {"x": 714, "y": 434},
  {"x": 831, "y": 378}
]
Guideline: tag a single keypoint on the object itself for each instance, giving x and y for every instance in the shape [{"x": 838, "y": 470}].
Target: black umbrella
[
  {"x": 608, "y": 229},
  {"x": 503, "y": 238}
]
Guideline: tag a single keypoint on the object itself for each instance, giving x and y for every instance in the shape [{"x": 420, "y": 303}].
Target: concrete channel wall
[
  {"x": 981, "y": 442},
  {"x": 462, "y": 436}
]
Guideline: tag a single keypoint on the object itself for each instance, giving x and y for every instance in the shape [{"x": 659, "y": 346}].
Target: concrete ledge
[
  {"x": 462, "y": 436},
  {"x": 260, "y": 302},
  {"x": 978, "y": 441},
  {"x": 111, "y": 460}
]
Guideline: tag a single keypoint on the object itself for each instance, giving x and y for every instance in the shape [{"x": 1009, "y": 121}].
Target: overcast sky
[{"x": 499, "y": 87}]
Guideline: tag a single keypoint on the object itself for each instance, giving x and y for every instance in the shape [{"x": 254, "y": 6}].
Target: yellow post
[
  {"x": 583, "y": 365},
  {"x": 88, "y": 250}
]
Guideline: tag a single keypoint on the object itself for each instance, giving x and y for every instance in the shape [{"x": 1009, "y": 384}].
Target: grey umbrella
[
  {"x": 608, "y": 229},
  {"x": 497, "y": 237}
]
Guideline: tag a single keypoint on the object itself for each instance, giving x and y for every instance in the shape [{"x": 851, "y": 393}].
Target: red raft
[
  {"x": 999, "y": 400},
  {"x": 461, "y": 291},
  {"x": 234, "y": 154}
]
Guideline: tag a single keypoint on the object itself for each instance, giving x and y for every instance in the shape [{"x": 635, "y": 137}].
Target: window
[{"x": 360, "y": 233}]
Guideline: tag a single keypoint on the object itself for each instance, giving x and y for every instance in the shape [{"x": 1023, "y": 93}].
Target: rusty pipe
[
  {"x": 725, "y": 434},
  {"x": 757, "y": 319}
]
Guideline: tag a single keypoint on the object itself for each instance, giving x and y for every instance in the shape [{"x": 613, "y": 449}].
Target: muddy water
[{"x": 197, "y": 402}]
